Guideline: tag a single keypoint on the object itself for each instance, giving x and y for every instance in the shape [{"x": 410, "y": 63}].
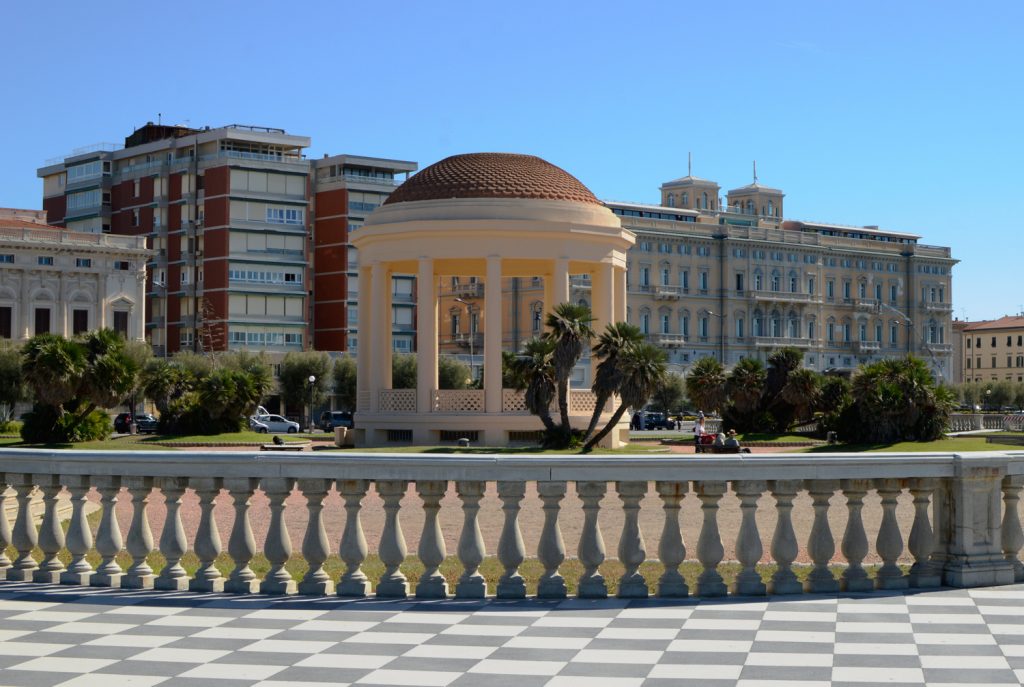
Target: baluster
[
  {"x": 392, "y": 583},
  {"x": 140, "y": 538},
  {"x": 889, "y": 543},
  {"x": 207, "y": 543},
  {"x": 671, "y": 549},
  {"x": 591, "y": 548},
  {"x": 923, "y": 573},
  {"x": 173, "y": 543},
  {"x": 79, "y": 537},
  {"x": 551, "y": 548},
  {"x": 784, "y": 547},
  {"x": 24, "y": 536},
  {"x": 278, "y": 546},
  {"x": 241, "y": 542},
  {"x": 315, "y": 548},
  {"x": 709, "y": 544},
  {"x": 432, "y": 552},
  {"x": 51, "y": 534},
  {"x": 5, "y": 527},
  {"x": 855, "y": 540},
  {"x": 472, "y": 584},
  {"x": 108, "y": 537},
  {"x": 748, "y": 540},
  {"x": 353, "y": 542},
  {"x": 632, "y": 550},
  {"x": 820, "y": 544},
  {"x": 1012, "y": 537},
  {"x": 511, "y": 550}
]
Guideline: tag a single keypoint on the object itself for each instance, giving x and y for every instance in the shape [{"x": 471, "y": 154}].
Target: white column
[
  {"x": 364, "y": 354},
  {"x": 471, "y": 542},
  {"x": 380, "y": 315},
  {"x": 173, "y": 543},
  {"x": 632, "y": 550},
  {"x": 108, "y": 537},
  {"x": 207, "y": 542},
  {"x": 560, "y": 281},
  {"x": 426, "y": 336},
  {"x": 602, "y": 296},
  {"x": 619, "y": 304},
  {"x": 748, "y": 540},
  {"x": 855, "y": 540},
  {"x": 492, "y": 335},
  {"x": 551, "y": 547}
]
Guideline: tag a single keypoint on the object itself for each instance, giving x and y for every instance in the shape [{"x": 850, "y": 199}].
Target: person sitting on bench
[{"x": 731, "y": 441}]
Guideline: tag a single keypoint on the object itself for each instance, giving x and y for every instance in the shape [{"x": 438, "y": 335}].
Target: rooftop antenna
[
  {"x": 689, "y": 164},
  {"x": 755, "y": 171}
]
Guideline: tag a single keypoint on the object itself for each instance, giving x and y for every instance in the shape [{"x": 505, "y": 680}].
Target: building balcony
[
  {"x": 867, "y": 346},
  {"x": 580, "y": 282},
  {"x": 870, "y": 304},
  {"x": 466, "y": 340},
  {"x": 939, "y": 348},
  {"x": 932, "y": 306},
  {"x": 782, "y": 297},
  {"x": 667, "y": 340},
  {"x": 781, "y": 341},
  {"x": 472, "y": 290},
  {"x": 669, "y": 293}
]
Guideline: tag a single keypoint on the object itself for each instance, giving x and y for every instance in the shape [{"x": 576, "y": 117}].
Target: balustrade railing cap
[{"x": 455, "y": 466}]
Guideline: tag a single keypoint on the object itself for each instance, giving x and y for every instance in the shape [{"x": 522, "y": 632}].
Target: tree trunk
[
  {"x": 619, "y": 412},
  {"x": 602, "y": 399},
  {"x": 563, "y": 408}
]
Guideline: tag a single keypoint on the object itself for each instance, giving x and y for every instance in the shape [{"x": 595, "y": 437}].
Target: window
[
  {"x": 810, "y": 285},
  {"x": 758, "y": 325},
  {"x": 968, "y": 342},
  {"x": 810, "y": 330},
  {"x": 135, "y": 218},
  {"x": 878, "y": 332},
  {"x": 137, "y": 189},
  {"x": 645, "y": 323},
  {"x": 977, "y": 343},
  {"x": 863, "y": 332},
  {"x": 831, "y": 330},
  {"x": 830, "y": 289},
  {"x": 42, "y": 320},
  {"x": 684, "y": 279},
  {"x": 993, "y": 361},
  {"x": 6, "y": 322},
  {"x": 1009, "y": 340},
  {"x": 703, "y": 281},
  {"x": 45, "y": 260},
  {"x": 285, "y": 215},
  {"x": 704, "y": 327},
  {"x": 121, "y": 322},
  {"x": 993, "y": 342},
  {"x": 739, "y": 281},
  {"x": 775, "y": 282},
  {"x": 758, "y": 283},
  {"x": 665, "y": 276},
  {"x": 846, "y": 290},
  {"x": 535, "y": 317},
  {"x": 664, "y": 324},
  {"x": 968, "y": 363},
  {"x": 83, "y": 262},
  {"x": 892, "y": 293},
  {"x": 794, "y": 283},
  {"x": 122, "y": 265},
  {"x": 862, "y": 290},
  {"x": 684, "y": 325},
  {"x": 645, "y": 277},
  {"x": 739, "y": 327},
  {"x": 456, "y": 325},
  {"x": 79, "y": 321},
  {"x": 9, "y": 259},
  {"x": 846, "y": 331}
]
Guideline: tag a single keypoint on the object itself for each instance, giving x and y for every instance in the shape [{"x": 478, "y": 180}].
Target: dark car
[
  {"x": 145, "y": 423},
  {"x": 658, "y": 421},
  {"x": 330, "y": 419}
]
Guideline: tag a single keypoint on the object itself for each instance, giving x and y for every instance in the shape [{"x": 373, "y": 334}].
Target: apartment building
[
  {"x": 68, "y": 282},
  {"x": 993, "y": 350},
  {"x": 231, "y": 213}
]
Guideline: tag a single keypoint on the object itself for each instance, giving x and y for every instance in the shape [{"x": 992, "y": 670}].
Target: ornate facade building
[{"x": 68, "y": 282}]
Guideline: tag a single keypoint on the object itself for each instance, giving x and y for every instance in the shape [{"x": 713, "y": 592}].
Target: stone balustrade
[{"x": 962, "y": 535}]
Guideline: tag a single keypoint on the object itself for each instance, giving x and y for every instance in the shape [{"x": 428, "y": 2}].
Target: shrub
[{"x": 44, "y": 425}]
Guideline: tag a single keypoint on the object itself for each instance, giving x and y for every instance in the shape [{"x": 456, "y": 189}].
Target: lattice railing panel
[
  {"x": 459, "y": 400},
  {"x": 398, "y": 400}
]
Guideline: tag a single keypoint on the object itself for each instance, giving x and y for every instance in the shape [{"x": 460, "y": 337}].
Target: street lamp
[
  {"x": 721, "y": 331},
  {"x": 988, "y": 399},
  {"x": 312, "y": 381},
  {"x": 472, "y": 335}
]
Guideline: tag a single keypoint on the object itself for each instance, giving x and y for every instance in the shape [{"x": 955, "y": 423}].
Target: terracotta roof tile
[
  {"x": 492, "y": 175},
  {"x": 1007, "y": 322},
  {"x": 11, "y": 223}
]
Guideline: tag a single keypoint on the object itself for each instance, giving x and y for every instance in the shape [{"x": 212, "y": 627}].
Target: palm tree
[
  {"x": 616, "y": 339},
  {"x": 110, "y": 373},
  {"x": 705, "y": 385},
  {"x": 801, "y": 392},
  {"x": 534, "y": 371},
  {"x": 53, "y": 367},
  {"x": 569, "y": 329},
  {"x": 643, "y": 368},
  {"x": 745, "y": 385}
]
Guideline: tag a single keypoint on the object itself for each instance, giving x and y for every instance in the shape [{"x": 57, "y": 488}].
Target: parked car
[
  {"x": 330, "y": 419},
  {"x": 144, "y": 423},
  {"x": 273, "y": 424},
  {"x": 658, "y": 421}
]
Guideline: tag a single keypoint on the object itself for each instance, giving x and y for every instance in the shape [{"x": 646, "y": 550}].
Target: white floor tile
[
  {"x": 938, "y": 600},
  {"x": 947, "y": 618},
  {"x": 335, "y": 625},
  {"x": 180, "y": 655},
  {"x": 482, "y": 630},
  {"x": 30, "y": 648},
  {"x": 784, "y": 683},
  {"x": 696, "y": 671},
  {"x": 52, "y": 664},
  {"x": 133, "y": 640},
  {"x": 1006, "y": 629},
  {"x": 965, "y": 662},
  {"x": 232, "y": 671},
  {"x": 285, "y": 614},
  {"x": 52, "y": 616},
  {"x": 147, "y": 610},
  {"x": 504, "y": 667},
  {"x": 434, "y": 618},
  {"x": 345, "y": 661},
  {"x": 464, "y": 652},
  {"x": 721, "y": 624},
  {"x": 874, "y": 628},
  {"x": 254, "y": 633},
  {"x": 638, "y": 633},
  {"x": 710, "y": 645},
  {"x": 872, "y": 609},
  {"x": 571, "y": 621},
  {"x": 999, "y": 610},
  {"x": 679, "y": 614},
  {"x": 953, "y": 639},
  {"x": 107, "y": 679},
  {"x": 876, "y": 676},
  {"x": 534, "y": 642},
  {"x": 795, "y": 636},
  {"x": 7, "y": 635},
  {"x": 872, "y": 649},
  {"x": 413, "y": 678},
  {"x": 285, "y": 646},
  {"x": 87, "y": 628},
  {"x": 25, "y": 606},
  {"x": 617, "y": 656},
  {"x": 191, "y": 621},
  {"x": 800, "y": 617},
  {"x": 578, "y": 681},
  {"x": 389, "y": 638},
  {"x": 291, "y": 683}
]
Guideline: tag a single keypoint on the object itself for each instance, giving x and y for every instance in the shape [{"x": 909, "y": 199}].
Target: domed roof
[{"x": 492, "y": 175}]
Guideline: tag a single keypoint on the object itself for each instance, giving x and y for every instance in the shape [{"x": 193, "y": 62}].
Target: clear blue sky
[{"x": 903, "y": 114}]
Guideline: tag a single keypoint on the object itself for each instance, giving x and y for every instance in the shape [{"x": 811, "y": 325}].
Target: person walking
[{"x": 698, "y": 434}]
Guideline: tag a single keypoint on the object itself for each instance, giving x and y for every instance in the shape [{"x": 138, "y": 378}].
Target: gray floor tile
[
  {"x": 164, "y": 668},
  {"x": 576, "y": 632},
  {"x": 493, "y": 680},
  {"x": 787, "y": 625},
  {"x": 969, "y": 677},
  {"x": 264, "y": 658},
  {"x": 785, "y": 673},
  {"x": 514, "y": 654},
  {"x": 723, "y": 658},
  {"x": 629, "y": 644},
  {"x": 875, "y": 661},
  {"x": 320, "y": 675},
  {"x": 33, "y": 678},
  {"x": 115, "y": 652},
  {"x": 453, "y": 665},
  {"x": 683, "y": 681},
  {"x": 959, "y": 650},
  {"x": 606, "y": 670},
  {"x": 792, "y": 647}
]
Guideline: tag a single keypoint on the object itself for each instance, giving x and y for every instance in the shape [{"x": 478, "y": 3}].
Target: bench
[{"x": 287, "y": 446}]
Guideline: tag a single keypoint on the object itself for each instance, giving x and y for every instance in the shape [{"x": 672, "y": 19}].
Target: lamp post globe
[{"x": 312, "y": 381}]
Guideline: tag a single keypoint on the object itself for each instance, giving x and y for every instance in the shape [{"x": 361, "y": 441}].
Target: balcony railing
[
  {"x": 782, "y": 296},
  {"x": 667, "y": 340},
  {"x": 780, "y": 341},
  {"x": 867, "y": 346},
  {"x": 665, "y": 292},
  {"x": 959, "y": 541},
  {"x": 473, "y": 290},
  {"x": 939, "y": 348},
  {"x": 938, "y": 307}
]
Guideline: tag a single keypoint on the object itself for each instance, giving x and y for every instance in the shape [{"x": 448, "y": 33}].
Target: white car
[{"x": 273, "y": 424}]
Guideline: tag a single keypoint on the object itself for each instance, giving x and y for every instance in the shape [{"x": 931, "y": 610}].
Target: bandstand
[{"x": 488, "y": 216}]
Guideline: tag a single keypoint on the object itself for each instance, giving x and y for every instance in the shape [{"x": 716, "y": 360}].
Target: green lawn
[
  {"x": 501, "y": 450},
  {"x": 949, "y": 444}
]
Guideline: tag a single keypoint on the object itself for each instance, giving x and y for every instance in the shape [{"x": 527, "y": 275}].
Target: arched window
[
  {"x": 704, "y": 200},
  {"x": 776, "y": 324},
  {"x": 794, "y": 326},
  {"x": 830, "y": 330},
  {"x": 758, "y": 323},
  {"x": 847, "y": 330},
  {"x": 665, "y": 326},
  {"x": 794, "y": 282},
  {"x": 878, "y": 331},
  {"x": 933, "y": 332},
  {"x": 758, "y": 281},
  {"x": 583, "y": 303},
  {"x": 750, "y": 207},
  {"x": 686, "y": 199},
  {"x": 776, "y": 281},
  {"x": 645, "y": 321},
  {"x": 771, "y": 208},
  {"x": 862, "y": 289},
  {"x": 684, "y": 323},
  {"x": 666, "y": 274},
  {"x": 810, "y": 329},
  {"x": 862, "y": 331},
  {"x": 671, "y": 200}
]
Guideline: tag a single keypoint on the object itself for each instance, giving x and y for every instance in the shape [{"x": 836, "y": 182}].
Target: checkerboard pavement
[{"x": 81, "y": 637}]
